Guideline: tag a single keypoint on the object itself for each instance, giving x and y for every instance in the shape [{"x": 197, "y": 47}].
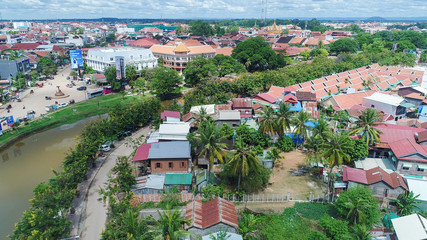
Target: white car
[
  {"x": 63, "y": 104},
  {"x": 104, "y": 148}
]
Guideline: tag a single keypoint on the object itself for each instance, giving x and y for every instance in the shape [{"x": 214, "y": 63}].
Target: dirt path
[
  {"x": 298, "y": 186},
  {"x": 96, "y": 211}
]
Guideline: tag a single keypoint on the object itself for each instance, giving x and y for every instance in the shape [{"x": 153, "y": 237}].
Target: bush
[
  {"x": 259, "y": 150},
  {"x": 316, "y": 235},
  {"x": 285, "y": 144},
  {"x": 334, "y": 228},
  {"x": 315, "y": 211}
]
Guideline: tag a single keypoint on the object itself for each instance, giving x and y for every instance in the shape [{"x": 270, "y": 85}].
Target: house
[
  {"x": 170, "y": 116},
  {"x": 229, "y": 236},
  {"x": 209, "y": 109},
  {"x": 211, "y": 216},
  {"x": 244, "y": 105},
  {"x": 265, "y": 160},
  {"x": 164, "y": 157},
  {"x": 173, "y": 131},
  {"x": 383, "y": 184},
  {"x": 346, "y": 101},
  {"x": 411, "y": 227},
  {"x": 231, "y": 117},
  {"x": 182, "y": 181},
  {"x": 418, "y": 187},
  {"x": 150, "y": 184},
  {"x": 387, "y": 104}
]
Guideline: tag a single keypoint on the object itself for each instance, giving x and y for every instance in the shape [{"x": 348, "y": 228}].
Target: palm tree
[
  {"x": 322, "y": 129},
  {"x": 202, "y": 116},
  {"x": 195, "y": 143},
  {"x": 247, "y": 225},
  {"x": 283, "y": 121},
  {"x": 365, "y": 126},
  {"x": 314, "y": 146},
  {"x": 336, "y": 151},
  {"x": 211, "y": 140},
  {"x": 243, "y": 160},
  {"x": 300, "y": 127},
  {"x": 357, "y": 208},
  {"x": 406, "y": 203},
  {"x": 361, "y": 232},
  {"x": 268, "y": 123},
  {"x": 170, "y": 225}
]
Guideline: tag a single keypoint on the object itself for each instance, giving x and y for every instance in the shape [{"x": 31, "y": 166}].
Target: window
[
  {"x": 170, "y": 165},
  {"x": 182, "y": 164},
  {"x": 420, "y": 169},
  {"x": 405, "y": 167},
  {"x": 131, "y": 57},
  {"x": 158, "y": 165},
  {"x": 111, "y": 59},
  {"x": 372, "y": 106}
]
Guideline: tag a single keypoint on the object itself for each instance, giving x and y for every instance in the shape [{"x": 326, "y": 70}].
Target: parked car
[
  {"x": 9, "y": 106},
  {"x": 63, "y": 104},
  {"x": 121, "y": 135},
  {"x": 31, "y": 112},
  {"x": 47, "y": 98},
  {"x": 104, "y": 148},
  {"x": 69, "y": 85},
  {"x": 72, "y": 101},
  {"x": 82, "y": 88}
]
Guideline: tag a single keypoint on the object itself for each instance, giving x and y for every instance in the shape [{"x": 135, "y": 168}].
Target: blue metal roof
[{"x": 172, "y": 149}]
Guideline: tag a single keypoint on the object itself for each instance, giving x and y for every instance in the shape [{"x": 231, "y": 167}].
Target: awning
[
  {"x": 407, "y": 165},
  {"x": 422, "y": 166},
  {"x": 394, "y": 159},
  {"x": 407, "y": 105},
  {"x": 390, "y": 153}
]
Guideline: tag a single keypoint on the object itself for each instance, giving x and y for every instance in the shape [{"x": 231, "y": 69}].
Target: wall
[
  {"x": 379, "y": 190},
  {"x": 212, "y": 229},
  {"x": 412, "y": 170},
  {"x": 164, "y": 166},
  {"x": 381, "y": 106}
]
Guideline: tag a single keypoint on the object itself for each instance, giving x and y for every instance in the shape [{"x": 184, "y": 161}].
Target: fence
[{"x": 272, "y": 197}]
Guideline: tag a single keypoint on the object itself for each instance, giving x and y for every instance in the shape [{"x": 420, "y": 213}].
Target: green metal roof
[
  {"x": 407, "y": 105},
  {"x": 178, "y": 179}
]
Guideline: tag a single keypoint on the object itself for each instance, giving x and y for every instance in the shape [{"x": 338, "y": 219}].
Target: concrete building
[
  {"x": 387, "y": 104},
  {"x": 8, "y": 69},
  {"x": 100, "y": 58},
  {"x": 176, "y": 57}
]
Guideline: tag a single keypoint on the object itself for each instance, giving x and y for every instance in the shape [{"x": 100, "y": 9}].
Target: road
[
  {"x": 37, "y": 102},
  {"x": 96, "y": 211}
]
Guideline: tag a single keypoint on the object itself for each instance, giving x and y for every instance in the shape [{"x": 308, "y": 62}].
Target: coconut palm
[
  {"x": 211, "y": 140},
  {"x": 336, "y": 151},
  {"x": 300, "y": 125},
  {"x": 406, "y": 203},
  {"x": 283, "y": 118},
  {"x": 194, "y": 143},
  {"x": 361, "y": 232},
  {"x": 268, "y": 122},
  {"x": 357, "y": 208},
  {"x": 314, "y": 146},
  {"x": 243, "y": 160},
  {"x": 365, "y": 126},
  {"x": 170, "y": 225},
  {"x": 322, "y": 129},
  {"x": 202, "y": 116}
]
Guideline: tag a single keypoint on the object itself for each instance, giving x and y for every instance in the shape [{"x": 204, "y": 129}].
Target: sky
[{"x": 189, "y": 9}]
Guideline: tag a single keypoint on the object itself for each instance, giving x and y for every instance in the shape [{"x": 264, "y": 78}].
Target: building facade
[
  {"x": 101, "y": 58},
  {"x": 176, "y": 57}
]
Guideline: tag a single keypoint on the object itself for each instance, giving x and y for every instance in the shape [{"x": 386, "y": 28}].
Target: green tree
[
  {"x": 87, "y": 69},
  {"x": 268, "y": 122},
  {"x": 198, "y": 71},
  {"x": 46, "y": 66},
  {"x": 283, "y": 118},
  {"x": 344, "y": 45},
  {"x": 227, "y": 131},
  {"x": 335, "y": 229},
  {"x": 139, "y": 84},
  {"x": 110, "y": 74},
  {"x": 423, "y": 57},
  {"x": 285, "y": 144},
  {"x": 300, "y": 125},
  {"x": 131, "y": 73},
  {"x": 201, "y": 28},
  {"x": 406, "y": 203},
  {"x": 243, "y": 160},
  {"x": 274, "y": 154},
  {"x": 73, "y": 74},
  {"x": 227, "y": 65},
  {"x": 247, "y": 225},
  {"x": 171, "y": 224},
  {"x": 19, "y": 80},
  {"x": 256, "y": 55},
  {"x": 321, "y": 129},
  {"x": 361, "y": 232},
  {"x": 211, "y": 140},
  {"x": 123, "y": 172},
  {"x": 179, "y": 30},
  {"x": 365, "y": 126},
  {"x": 335, "y": 151},
  {"x": 359, "y": 150},
  {"x": 165, "y": 82},
  {"x": 357, "y": 205}
]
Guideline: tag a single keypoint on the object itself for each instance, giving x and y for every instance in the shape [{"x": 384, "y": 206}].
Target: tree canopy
[
  {"x": 257, "y": 55},
  {"x": 344, "y": 45},
  {"x": 201, "y": 28},
  {"x": 165, "y": 81}
]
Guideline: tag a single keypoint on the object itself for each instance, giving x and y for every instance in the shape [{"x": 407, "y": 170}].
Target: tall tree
[
  {"x": 110, "y": 74},
  {"x": 344, "y": 45},
  {"x": 335, "y": 151},
  {"x": 365, "y": 126},
  {"x": 243, "y": 160},
  {"x": 131, "y": 73},
  {"x": 201, "y": 28},
  {"x": 198, "y": 71},
  {"x": 300, "y": 125},
  {"x": 268, "y": 121},
  {"x": 171, "y": 224},
  {"x": 321, "y": 129},
  {"x": 283, "y": 118},
  {"x": 165, "y": 81},
  {"x": 257, "y": 55},
  {"x": 211, "y": 140}
]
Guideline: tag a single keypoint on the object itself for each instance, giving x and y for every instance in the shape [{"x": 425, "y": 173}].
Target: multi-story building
[
  {"x": 176, "y": 57},
  {"x": 100, "y": 58}
]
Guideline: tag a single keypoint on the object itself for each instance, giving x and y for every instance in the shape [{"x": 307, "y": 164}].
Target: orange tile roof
[
  {"x": 331, "y": 83},
  {"x": 358, "y": 87},
  {"x": 320, "y": 94},
  {"x": 296, "y": 40},
  {"x": 383, "y": 85},
  {"x": 318, "y": 86},
  {"x": 406, "y": 82},
  {"x": 276, "y": 92},
  {"x": 181, "y": 48},
  {"x": 305, "y": 84},
  {"x": 170, "y": 50},
  {"x": 346, "y": 101},
  {"x": 227, "y": 51},
  {"x": 331, "y": 89},
  {"x": 318, "y": 81}
]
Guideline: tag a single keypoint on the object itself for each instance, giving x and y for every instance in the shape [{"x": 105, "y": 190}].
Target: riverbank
[{"x": 70, "y": 114}]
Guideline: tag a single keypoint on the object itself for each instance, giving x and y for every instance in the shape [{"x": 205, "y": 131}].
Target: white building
[
  {"x": 101, "y": 58},
  {"x": 387, "y": 104}
]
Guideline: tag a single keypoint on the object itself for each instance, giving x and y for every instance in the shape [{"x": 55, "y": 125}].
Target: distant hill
[{"x": 375, "y": 19}]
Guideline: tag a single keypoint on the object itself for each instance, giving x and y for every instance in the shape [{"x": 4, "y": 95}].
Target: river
[{"x": 28, "y": 162}]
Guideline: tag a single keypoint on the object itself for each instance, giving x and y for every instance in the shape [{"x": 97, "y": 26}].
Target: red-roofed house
[
  {"x": 244, "y": 105},
  {"x": 346, "y": 101},
  {"x": 383, "y": 184},
  {"x": 170, "y": 115},
  {"x": 211, "y": 216},
  {"x": 144, "y": 43},
  {"x": 25, "y": 46},
  {"x": 264, "y": 98}
]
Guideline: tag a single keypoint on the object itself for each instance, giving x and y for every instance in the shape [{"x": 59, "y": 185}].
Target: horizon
[{"x": 212, "y": 9}]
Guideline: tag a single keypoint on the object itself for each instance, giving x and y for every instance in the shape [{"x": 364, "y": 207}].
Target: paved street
[
  {"x": 96, "y": 211},
  {"x": 37, "y": 101}
]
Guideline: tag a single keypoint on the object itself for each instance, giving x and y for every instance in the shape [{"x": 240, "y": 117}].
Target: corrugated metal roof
[
  {"x": 172, "y": 149},
  {"x": 410, "y": 227},
  {"x": 178, "y": 179}
]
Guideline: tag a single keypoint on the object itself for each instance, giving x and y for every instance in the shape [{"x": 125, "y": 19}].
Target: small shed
[
  {"x": 181, "y": 181},
  {"x": 150, "y": 184},
  {"x": 265, "y": 160}
]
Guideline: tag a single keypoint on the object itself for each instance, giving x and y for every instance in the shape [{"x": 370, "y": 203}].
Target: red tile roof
[
  {"x": 372, "y": 176},
  {"x": 25, "y": 46},
  {"x": 354, "y": 175},
  {"x": 290, "y": 98},
  {"x": 305, "y": 96},
  {"x": 144, "y": 42},
  {"x": 265, "y": 97},
  {"x": 346, "y": 101},
  {"x": 142, "y": 152},
  {"x": 204, "y": 215},
  {"x": 222, "y": 107},
  {"x": 167, "y": 113},
  {"x": 291, "y": 88},
  {"x": 241, "y": 103},
  {"x": 186, "y": 117}
]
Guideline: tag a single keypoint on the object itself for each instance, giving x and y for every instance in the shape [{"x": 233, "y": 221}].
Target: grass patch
[
  {"x": 315, "y": 211},
  {"x": 69, "y": 114}
]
